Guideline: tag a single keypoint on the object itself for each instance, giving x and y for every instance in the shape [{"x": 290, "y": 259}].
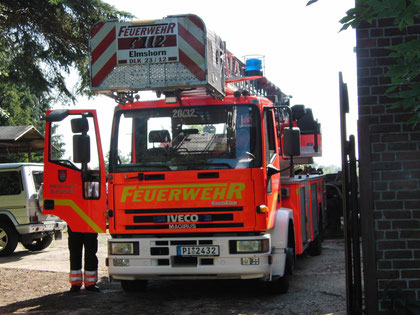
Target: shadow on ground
[{"x": 169, "y": 297}]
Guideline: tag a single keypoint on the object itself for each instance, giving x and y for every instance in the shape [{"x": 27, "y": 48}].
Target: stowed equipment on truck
[{"x": 201, "y": 184}]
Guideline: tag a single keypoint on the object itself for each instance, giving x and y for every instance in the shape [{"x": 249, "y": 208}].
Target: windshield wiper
[
  {"x": 227, "y": 165},
  {"x": 154, "y": 165}
]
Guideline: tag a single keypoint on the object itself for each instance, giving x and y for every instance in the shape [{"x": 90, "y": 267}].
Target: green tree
[
  {"x": 405, "y": 72},
  {"x": 41, "y": 41}
]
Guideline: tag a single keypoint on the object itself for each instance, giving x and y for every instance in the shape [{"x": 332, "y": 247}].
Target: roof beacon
[{"x": 253, "y": 67}]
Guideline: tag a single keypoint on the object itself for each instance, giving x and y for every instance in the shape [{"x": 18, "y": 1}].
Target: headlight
[
  {"x": 249, "y": 246},
  {"x": 123, "y": 248}
]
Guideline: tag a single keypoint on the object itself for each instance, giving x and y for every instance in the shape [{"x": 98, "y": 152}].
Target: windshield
[{"x": 186, "y": 138}]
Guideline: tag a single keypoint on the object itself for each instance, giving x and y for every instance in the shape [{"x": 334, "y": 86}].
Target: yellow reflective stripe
[
  {"x": 84, "y": 216},
  {"x": 272, "y": 212}
]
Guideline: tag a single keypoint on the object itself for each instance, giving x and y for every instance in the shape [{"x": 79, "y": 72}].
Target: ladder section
[{"x": 174, "y": 53}]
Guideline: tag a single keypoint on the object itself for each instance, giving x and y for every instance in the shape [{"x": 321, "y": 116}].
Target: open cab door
[{"x": 74, "y": 172}]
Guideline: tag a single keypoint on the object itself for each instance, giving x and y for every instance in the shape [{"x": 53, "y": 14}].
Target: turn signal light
[{"x": 262, "y": 209}]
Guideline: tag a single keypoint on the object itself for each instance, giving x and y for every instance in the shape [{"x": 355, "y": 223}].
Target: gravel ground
[{"x": 37, "y": 283}]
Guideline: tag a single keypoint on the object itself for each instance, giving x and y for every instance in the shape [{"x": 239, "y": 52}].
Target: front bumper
[{"x": 160, "y": 259}]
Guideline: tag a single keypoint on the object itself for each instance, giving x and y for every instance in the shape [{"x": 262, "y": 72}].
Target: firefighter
[{"x": 89, "y": 241}]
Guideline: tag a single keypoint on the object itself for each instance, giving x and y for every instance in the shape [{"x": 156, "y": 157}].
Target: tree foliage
[
  {"x": 405, "y": 72},
  {"x": 402, "y": 11},
  {"x": 41, "y": 41}
]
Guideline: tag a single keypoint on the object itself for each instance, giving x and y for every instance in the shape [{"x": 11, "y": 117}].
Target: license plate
[
  {"x": 49, "y": 227},
  {"x": 200, "y": 250}
]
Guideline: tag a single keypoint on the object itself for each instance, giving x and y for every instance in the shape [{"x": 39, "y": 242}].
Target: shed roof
[{"x": 20, "y": 139}]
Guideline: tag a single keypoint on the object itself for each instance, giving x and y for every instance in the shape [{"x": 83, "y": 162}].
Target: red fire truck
[{"x": 201, "y": 181}]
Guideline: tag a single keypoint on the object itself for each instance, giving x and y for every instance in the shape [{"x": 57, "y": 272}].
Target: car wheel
[
  {"x": 8, "y": 239},
  {"x": 39, "y": 244}
]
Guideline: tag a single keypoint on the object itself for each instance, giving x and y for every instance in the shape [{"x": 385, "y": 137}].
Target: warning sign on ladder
[{"x": 176, "y": 52}]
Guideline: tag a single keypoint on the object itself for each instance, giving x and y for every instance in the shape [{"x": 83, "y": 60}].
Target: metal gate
[{"x": 350, "y": 209}]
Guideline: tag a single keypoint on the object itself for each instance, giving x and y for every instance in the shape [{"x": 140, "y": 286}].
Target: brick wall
[{"x": 393, "y": 155}]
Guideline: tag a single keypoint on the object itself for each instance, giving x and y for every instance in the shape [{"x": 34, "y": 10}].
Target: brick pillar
[{"x": 389, "y": 152}]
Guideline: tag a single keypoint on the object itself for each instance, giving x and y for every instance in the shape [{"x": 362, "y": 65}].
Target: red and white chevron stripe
[
  {"x": 191, "y": 42},
  {"x": 103, "y": 51},
  {"x": 105, "y": 39}
]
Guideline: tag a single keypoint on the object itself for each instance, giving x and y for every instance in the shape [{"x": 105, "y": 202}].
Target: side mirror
[
  {"x": 79, "y": 125},
  {"x": 81, "y": 148},
  {"x": 291, "y": 139},
  {"x": 81, "y": 143}
]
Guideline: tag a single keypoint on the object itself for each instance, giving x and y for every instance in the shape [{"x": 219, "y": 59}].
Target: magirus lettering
[
  {"x": 182, "y": 218},
  {"x": 182, "y": 226}
]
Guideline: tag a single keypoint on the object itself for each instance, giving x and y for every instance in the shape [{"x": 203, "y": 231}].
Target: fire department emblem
[{"x": 62, "y": 176}]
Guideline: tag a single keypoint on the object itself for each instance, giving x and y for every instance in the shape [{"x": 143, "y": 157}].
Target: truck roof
[{"x": 17, "y": 165}]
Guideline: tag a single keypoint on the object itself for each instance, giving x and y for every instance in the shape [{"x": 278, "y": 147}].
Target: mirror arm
[
  {"x": 272, "y": 170},
  {"x": 289, "y": 111}
]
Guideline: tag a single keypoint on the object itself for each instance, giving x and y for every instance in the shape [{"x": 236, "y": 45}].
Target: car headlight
[
  {"x": 249, "y": 246},
  {"x": 123, "y": 248}
]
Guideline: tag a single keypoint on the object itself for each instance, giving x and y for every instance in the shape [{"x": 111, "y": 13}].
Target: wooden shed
[{"x": 20, "y": 139}]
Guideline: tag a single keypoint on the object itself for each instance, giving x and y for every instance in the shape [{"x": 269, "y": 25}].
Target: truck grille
[
  {"x": 184, "y": 226},
  {"x": 201, "y": 218},
  {"x": 182, "y": 210},
  {"x": 188, "y": 218}
]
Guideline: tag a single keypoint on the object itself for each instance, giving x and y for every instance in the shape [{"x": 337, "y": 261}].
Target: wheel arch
[
  {"x": 283, "y": 221},
  {"x": 281, "y": 238},
  {"x": 6, "y": 216}
]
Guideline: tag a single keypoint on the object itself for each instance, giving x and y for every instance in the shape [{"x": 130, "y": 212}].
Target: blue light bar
[{"x": 253, "y": 65}]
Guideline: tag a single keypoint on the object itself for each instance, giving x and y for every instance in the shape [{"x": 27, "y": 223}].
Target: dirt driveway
[{"x": 37, "y": 283}]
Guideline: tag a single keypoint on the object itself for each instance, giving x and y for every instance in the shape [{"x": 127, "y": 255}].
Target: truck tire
[
  {"x": 134, "y": 285},
  {"x": 279, "y": 285},
  {"x": 290, "y": 261},
  {"x": 39, "y": 244},
  {"x": 315, "y": 247},
  {"x": 8, "y": 239}
]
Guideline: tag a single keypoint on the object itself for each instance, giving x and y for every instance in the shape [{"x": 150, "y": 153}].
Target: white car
[{"x": 21, "y": 218}]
